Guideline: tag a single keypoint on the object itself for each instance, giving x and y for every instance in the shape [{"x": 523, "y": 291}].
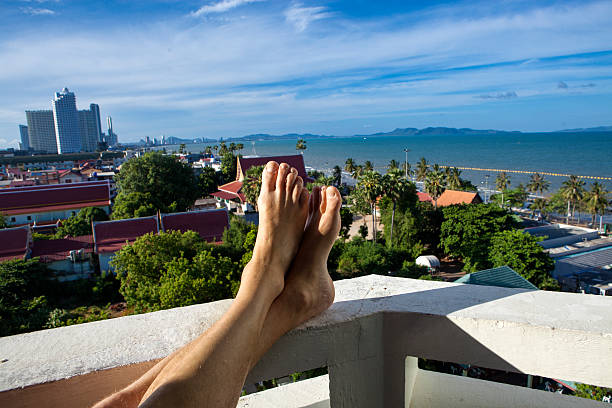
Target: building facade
[
  {"x": 41, "y": 130},
  {"x": 88, "y": 124},
  {"x": 67, "y": 126},
  {"x": 111, "y": 138},
  {"x": 25, "y": 139}
]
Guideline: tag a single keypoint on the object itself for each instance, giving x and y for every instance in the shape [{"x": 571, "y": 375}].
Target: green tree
[
  {"x": 300, "y": 146},
  {"x": 393, "y": 164},
  {"x": 592, "y": 392},
  {"x": 573, "y": 191},
  {"x": 539, "y": 204},
  {"x": 251, "y": 185},
  {"x": 453, "y": 180},
  {"x": 502, "y": 181},
  {"x": 422, "y": 169},
  {"x": 208, "y": 151},
  {"x": 229, "y": 167},
  {"x": 337, "y": 176},
  {"x": 23, "y": 304},
  {"x": 3, "y": 223},
  {"x": 467, "y": 230},
  {"x": 521, "y": 252},
  {"x": 164, "y": 182},
  {"x": 208, "y": 182},
  {"x": 182, "y": 148},
  {"x": 223, "y": 150},
  {"x": 538, "y": 184},
  {"x": 597, "y": 200},
  {"x": 174, "y": 269},
  {"x": 80, "y": 224},
  {"x": 368, "y": 166},
  {"x": 434, "y": 185},
  {"x": 349, "y": 165},
  {"x": 346, "y": 220},
  {"x": 394, "y": 187},
  {"x": 371, "y": 184},
  {"x": 134, "y": 205}
]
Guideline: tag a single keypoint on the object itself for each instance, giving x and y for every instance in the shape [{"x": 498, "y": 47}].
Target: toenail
[
  {"x": 271, "y": 166},
  {"x": 284, "y": 165}
]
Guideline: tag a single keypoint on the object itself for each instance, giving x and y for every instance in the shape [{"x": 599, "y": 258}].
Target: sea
[{"x": 582, "y": 154}]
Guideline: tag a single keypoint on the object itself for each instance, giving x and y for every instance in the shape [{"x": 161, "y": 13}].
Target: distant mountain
[
  {"x": 585, "y": 130},
  {"x": 433, "y": 131}
]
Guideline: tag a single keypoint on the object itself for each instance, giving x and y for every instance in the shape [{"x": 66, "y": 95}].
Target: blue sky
[{"x": 224, "y": 68}]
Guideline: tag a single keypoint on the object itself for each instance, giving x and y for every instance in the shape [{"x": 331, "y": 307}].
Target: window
[
  {"x": 29, "y": 218},
  {"x": 12, "y": 219}
]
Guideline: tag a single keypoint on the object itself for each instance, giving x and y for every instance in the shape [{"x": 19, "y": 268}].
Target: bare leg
[{"x": 212, "y": 372}]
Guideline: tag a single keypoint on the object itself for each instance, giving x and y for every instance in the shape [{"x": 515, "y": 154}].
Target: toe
[
  {"x": 291, "y": 177},
  {"x": 333, "y": 201},
  {"x": 298, "y": 186},
  {"x": 268, "y": 178},
  {"x": 323, "y": 199},
  {"x": 281, "y": 179},
  {"x": 304, "y": 198}
]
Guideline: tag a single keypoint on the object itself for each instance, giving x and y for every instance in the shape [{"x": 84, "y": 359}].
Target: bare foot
[
  {"x": 283, "y": 208},
  {"x": 308, "y": 286}
]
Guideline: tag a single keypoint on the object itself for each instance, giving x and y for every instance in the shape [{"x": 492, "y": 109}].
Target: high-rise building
[
  {"x": 111, "y": 137},
  {"x": 67, "y": 127},
  {"x": 25, "y": 139},
  {"x": 41, "y": 131},
  {"x": 89, "y": 130},
  {"x": 96, "y": 111}
]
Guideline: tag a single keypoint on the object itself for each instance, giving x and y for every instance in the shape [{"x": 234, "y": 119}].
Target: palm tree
[
  {"x": 370, "y": 183},
  {"x": 434, "y": 185},
  {"x": 393, "y": 185},
  {"x": 422, "y": 169},
  {"x": 215, "y": 148},
  {"x": 337, "y": 176},
  {"x": 208, "y": 150},
  {"x": 573, "y": 191},
  {"x": 393, "y": 164},
  {"x": 368, "y": 166},
  {"x": 539, "y": 204},
  {"x": 538, "y": 184},
  {"x": 406, "y": 169},
  {"x": 349, "y": 165},
  {"x": 501, "y": 183},
  {"x": 239, "y": 146},
  {"x": 232, "y": 147},
  {"x": 300, "y": 145},
  {"x": 223, "y": 149},
  {"x": 597, "y": 200},
  {"x": 251, "y": 185},
  {"x": 453, "y": 179},
  {"x": 358, "y": 171}
]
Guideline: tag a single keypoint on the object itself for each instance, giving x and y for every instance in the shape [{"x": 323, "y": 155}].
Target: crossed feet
[{"x": 296, "y": 234}]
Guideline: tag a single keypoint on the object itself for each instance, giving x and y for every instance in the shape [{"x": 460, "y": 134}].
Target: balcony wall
[{"x": 369, "y": 340}]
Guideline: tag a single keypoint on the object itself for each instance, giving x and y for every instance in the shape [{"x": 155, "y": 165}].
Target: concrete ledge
[
  {"x": 374, "y": 320},
  {"x": 311, "y": 393}
]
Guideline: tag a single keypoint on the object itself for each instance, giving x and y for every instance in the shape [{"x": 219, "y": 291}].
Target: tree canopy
[
  {"x": 163, "y": 182},
  {"x": 467, "y": 230},
  {"x": 80, "y": 224},
  {"x": 209, "y": 181}
]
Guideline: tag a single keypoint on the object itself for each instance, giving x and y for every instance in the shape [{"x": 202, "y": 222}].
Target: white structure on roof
[{"x": 430, "y": 261}]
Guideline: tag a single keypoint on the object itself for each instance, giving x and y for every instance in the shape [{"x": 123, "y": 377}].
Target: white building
[
  {"x": 89, "y": 122},
  {"x": 66, "y": 118},
  {"x": 41, "y": 130}
]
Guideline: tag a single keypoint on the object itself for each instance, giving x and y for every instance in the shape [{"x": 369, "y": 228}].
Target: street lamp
[{"x": 406, "y": 165}]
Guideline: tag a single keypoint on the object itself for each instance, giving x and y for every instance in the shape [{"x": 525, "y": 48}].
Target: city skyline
[{"x": 230, "y": 68}]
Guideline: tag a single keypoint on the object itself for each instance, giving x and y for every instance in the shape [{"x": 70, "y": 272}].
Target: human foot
[
  {"x": 309, "y": 289},
  {"x": 283, "y": 208}
]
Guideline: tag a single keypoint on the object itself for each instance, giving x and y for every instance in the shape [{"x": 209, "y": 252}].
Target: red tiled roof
[
  {"x": 24, "y": 200},
  {"x": 297, "y": 161},
  {"x": 58, "y": 249},
  {"x": 111, "y": 236},
  {"x": 450, "y": 197},
  {"x": 209, "y": 224},
  {"x": 14, "y": 243},
  {"x": 225, "y": 195},
  {"x": 424, "y": 197},
  {"x": 54, "y": 186},
  {"x": 233, "y": 187}
]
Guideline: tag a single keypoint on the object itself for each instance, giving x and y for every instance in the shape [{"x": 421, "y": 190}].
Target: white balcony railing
[{"x": 369, "y": 340}]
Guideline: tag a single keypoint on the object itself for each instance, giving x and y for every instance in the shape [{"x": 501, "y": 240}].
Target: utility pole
[
  {"x": 406, "y": 164},
  {"x": 486, "y": 188}
]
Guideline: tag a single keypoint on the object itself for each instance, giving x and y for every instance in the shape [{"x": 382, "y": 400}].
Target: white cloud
[
  {"x": 221, "y": 7},
  {"x": 301, "y": 17},
  {"x": 33, "y": 11}
]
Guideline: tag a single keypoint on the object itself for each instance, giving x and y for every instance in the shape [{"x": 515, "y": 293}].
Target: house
[
  {"x": 49, "y": 203},
  {"x": 230, "y": 195},
  {"x": 69, "y": 176},
  {"x": 208, "y": 224},
  {"x": 70, "y": 258},
  {"x": 15, "y": 243},
  {"x": 502, "y": 276},
  {"x": 110, "y": 236},
  {"x": 452, "y": 197}
]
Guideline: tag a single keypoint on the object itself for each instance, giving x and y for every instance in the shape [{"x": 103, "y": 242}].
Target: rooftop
[
  {"x": 451, "y": 197},
  {"x": 208, "y": 224},
  {"x": 58, "y": 249},
  {"x": 502, "y": 276},
  {"x": 111, "y": 236},
  {"x": 14, "y": 243}
]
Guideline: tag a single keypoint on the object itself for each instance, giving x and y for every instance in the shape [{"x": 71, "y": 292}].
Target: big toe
[
  {"x": 329, "y": 223},
  {"x": 268, "y": 178}
]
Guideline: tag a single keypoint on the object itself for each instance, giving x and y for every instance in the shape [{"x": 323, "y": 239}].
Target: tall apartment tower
[
  {"x": 25, "y": 139},
  {"x": 111, "y": 138},
  {"x": 41, "y": 130},
  {"x": 90, "y": 127},
  {"x": 67, "y": 126}
]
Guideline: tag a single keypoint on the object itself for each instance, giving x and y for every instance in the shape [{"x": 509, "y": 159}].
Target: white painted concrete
[
  {"x": 374, "y": 323},
  {"x": 311, "y": 393}
]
